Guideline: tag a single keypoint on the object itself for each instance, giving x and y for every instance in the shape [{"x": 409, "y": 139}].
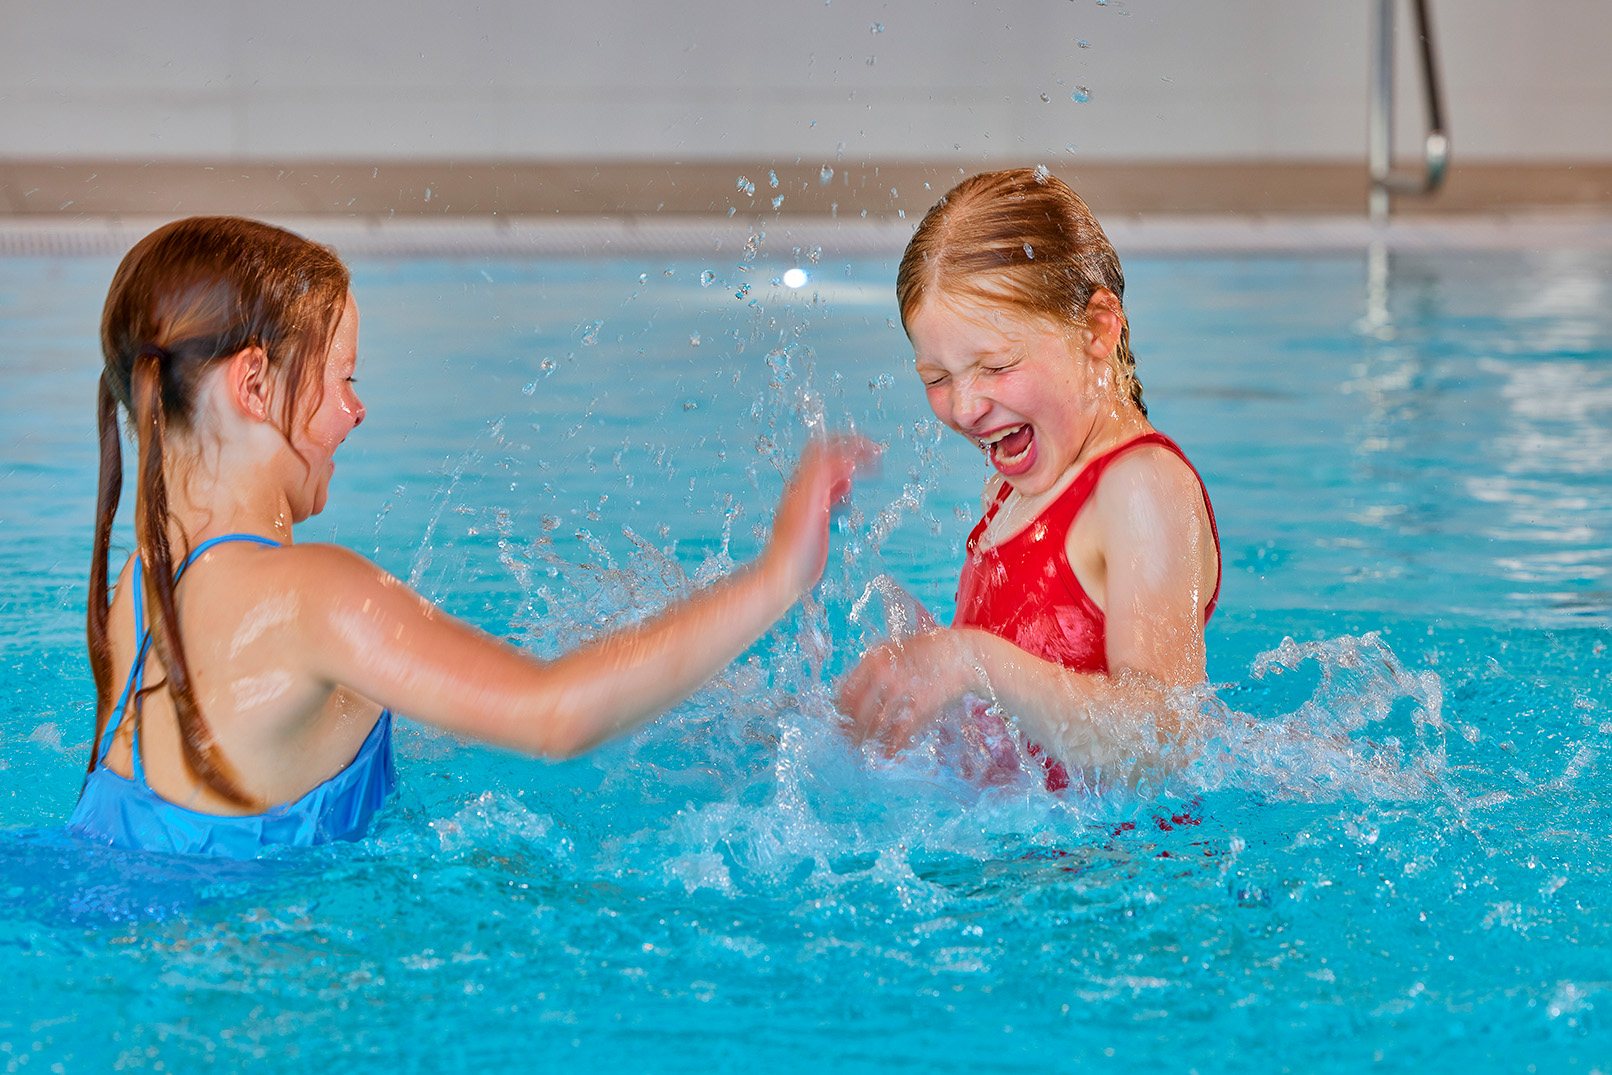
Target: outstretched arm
[
  {"x": 378, "y": 637},
  {"x": 1152, "y": 530}
]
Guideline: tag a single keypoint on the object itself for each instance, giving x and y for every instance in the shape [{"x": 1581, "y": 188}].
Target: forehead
[{"x": 945, "y": 326}]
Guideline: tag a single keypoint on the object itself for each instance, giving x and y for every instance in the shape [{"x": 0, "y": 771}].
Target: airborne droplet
[
  {"x": 707, "y": 278},
  {"x": 1081, "y": 94}
]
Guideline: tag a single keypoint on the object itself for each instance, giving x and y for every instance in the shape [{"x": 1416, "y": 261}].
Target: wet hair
[
  {"x": 188, "y": 296},
  {"x": 1020, "y": 238}
]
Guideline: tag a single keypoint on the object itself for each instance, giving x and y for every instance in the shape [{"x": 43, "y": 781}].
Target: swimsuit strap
[
  {"x": 974, "y": 535},
  {"x": 1062, "y": 511},
  {"x": 140, "y": 632}
]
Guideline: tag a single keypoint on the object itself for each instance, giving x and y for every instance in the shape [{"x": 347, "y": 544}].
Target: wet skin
[
  {"x": 1040, "y": 398},
  {"x": 295, "y": 650}
]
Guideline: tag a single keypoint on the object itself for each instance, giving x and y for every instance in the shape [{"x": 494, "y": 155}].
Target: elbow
[{"x": 555, "y": 733}]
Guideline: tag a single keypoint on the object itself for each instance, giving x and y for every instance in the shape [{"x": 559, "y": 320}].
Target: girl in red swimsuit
[{"x": 1082, "y": 602}]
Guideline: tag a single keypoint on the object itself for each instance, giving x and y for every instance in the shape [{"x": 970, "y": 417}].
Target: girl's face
[
  {"x": 1022, "y": 388},
  {"x": 337, "y": 415}
]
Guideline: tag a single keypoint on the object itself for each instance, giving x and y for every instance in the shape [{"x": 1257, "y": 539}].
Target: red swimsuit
[{"x": 1023, "y": 589}]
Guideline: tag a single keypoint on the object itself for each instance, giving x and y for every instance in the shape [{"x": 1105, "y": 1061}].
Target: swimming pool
[{"x": 1416, "y": 494}]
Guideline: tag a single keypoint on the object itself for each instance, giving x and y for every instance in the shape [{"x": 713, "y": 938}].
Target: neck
[
  {"x": 1115, "y": 423},
  {"x": 211, "y": 493}
]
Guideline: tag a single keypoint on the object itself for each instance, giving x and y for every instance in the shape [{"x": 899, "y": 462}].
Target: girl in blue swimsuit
[{"x": 245, "y": 682}]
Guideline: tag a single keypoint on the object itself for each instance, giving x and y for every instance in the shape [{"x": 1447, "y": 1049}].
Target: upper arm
[
  {"x": 365, "y": 629},
  {"x": 1160, "y": 564}
]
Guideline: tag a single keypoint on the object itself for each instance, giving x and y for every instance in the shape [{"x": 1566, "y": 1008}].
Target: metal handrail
[{"x": 1384, "y": 179}]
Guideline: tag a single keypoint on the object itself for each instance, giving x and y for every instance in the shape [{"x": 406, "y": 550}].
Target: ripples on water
[{"x": 1390, "y": 847}]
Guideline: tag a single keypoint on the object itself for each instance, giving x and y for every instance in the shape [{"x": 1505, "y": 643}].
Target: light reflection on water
[{"x": 1393, "y": 846}]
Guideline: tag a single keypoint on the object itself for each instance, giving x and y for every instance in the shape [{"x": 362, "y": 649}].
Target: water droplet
[
  {"x": 825, "y": 175},
  {"x": 872, "y": 60},
  {"x": 795, "y": 277},
  {"x": 529, "y": 389},
  {"x": 876, "y": 28},
  {"x": 772, "y": 179},
  {"x": 1045, "y": 98},
  {"x": 744, "y": 289},
  {"x": 669, "y": 270},
  {"x": 707, "y": 278},
  {"x": 690, "y": 405},
  {"x": 547, "y": 365},
  {"x": 745, "y": 187},
  {"x": 550, "y": 522},
  {"x": 776, "y": 202},
  {"x": 642, "y": 277},
  {"x": 591, "y": 336},
  {"x": 1042, "y": 174},
  {"x": 1081, "y": 94},
  {"x": 694, "y": 339},
  {"x": 1029, "y": 251},
  {"x": 813, "y": 253},
  {"x": 1084, "y": 44}
]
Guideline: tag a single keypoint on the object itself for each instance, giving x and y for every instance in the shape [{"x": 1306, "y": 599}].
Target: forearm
[
  {"x": 1088, "y": 719},
  {"x": 618, "y": 682}
]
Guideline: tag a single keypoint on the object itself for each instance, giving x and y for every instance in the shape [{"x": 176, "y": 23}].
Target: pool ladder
[{"x": 1385, "y": 181}]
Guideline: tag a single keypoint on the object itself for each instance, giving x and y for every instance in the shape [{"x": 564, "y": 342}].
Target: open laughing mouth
[{"x": 1009, "y": 448}]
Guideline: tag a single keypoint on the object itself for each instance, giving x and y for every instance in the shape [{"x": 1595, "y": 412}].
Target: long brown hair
[
  {"x": 189, "y": 295},
  {"x": 1020, "y": 237}
]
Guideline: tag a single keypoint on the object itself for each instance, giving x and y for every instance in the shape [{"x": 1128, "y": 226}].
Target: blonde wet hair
[{"x": 1020, "y": 238}]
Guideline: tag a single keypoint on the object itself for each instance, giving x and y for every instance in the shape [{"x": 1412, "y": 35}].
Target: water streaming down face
[{"x": 1392, "y": 829}]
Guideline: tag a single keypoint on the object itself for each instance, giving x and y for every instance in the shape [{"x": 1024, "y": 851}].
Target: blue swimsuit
[{"x": 126, "y": 813}]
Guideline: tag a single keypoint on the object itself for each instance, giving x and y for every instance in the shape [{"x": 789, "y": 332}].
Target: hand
[
  {"x": 898, "y": 687},
  {"x": 799, "y": 545}
]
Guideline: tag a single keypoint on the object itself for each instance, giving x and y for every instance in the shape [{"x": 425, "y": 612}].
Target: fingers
[
  {"x": 841, "y": 457},
  {"x": 884, "y": 700}
]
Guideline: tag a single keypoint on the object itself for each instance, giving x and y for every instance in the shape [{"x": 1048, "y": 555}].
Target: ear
[
  {"x": 250, "y": 385},
  {"x": 1105, "y": 319}
]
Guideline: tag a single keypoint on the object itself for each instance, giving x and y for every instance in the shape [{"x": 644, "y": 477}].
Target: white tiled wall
[{"x": 693, "y": 79}]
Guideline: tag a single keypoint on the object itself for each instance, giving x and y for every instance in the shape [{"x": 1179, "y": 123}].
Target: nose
[
  {"x": 969, "y": 404},
  {"x": 358, "y": 412}
]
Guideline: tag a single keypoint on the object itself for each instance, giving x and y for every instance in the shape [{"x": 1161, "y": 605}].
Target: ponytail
[
  {"x": 151, "y": 525},
  {"x": 1125, "y": 364},
  {"x": 188, "y": 295},
  {"x": 108, "y": 491}
]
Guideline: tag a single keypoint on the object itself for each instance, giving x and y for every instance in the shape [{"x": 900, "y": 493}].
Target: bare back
[{"x": 283, "y": 729}]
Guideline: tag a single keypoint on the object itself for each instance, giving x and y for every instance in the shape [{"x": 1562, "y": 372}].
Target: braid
[
  {"x": 201, "y": 754},
  {"x": 1125, "y": 363},
  {"x": 109, "y": 490}
]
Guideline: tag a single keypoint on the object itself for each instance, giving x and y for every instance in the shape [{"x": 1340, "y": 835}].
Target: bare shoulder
[
  {"x": 1149, "y": 488},
  {"x": 332, "y": 571},
  {"x": 312, "y": 573}
]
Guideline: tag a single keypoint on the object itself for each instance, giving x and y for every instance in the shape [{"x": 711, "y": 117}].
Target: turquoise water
[{"x": 1395, "y": 856}]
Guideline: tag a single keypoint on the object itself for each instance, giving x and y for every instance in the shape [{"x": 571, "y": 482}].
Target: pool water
[{"x": 1395, "y": 855}]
